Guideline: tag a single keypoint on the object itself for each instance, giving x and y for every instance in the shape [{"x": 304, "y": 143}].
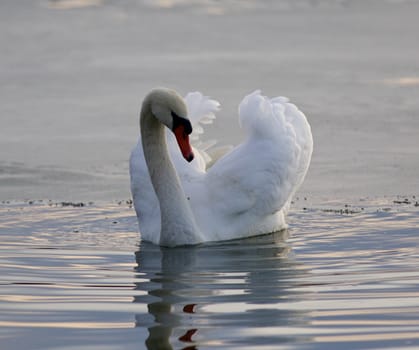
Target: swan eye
[{"x": 177, "y": 121}]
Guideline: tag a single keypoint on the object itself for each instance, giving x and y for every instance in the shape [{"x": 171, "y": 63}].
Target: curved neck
[{"x": 178, "y": 225}]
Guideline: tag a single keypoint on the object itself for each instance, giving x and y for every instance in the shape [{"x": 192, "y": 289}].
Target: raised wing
[
  {"x": 263, "y": 173},
  {"x": 201, "y": 112}
]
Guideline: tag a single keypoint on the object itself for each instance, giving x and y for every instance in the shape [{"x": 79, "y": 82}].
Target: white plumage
[{"x": 247, "y": 191}]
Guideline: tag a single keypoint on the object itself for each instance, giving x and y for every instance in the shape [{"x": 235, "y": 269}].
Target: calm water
[
  {"x": 77, "y": 278},
  {"x": 72, "y": 76}
]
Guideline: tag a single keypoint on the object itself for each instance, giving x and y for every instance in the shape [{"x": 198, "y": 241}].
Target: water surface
[{"x": 78, "y": 277}]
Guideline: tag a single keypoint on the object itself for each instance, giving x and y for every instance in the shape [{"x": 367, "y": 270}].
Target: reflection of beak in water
[{"x": 180, "y": 282}]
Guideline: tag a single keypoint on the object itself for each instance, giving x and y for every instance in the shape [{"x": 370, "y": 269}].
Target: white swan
[{"x": 246, "y": 192}]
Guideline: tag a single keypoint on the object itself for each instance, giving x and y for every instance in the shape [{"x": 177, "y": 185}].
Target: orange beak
[{"x": 182, "y": 139}]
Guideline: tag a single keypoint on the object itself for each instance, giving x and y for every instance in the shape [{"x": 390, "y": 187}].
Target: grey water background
[{"x": 72, "y": 77}]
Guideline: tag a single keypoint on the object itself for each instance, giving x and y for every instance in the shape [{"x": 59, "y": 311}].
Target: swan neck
[{"x": 178, "y": 225}]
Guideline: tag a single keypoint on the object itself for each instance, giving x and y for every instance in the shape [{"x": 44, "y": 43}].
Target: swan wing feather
[
  {"x": 260, "y": 175},
  {"x": 201, "y": 112}
]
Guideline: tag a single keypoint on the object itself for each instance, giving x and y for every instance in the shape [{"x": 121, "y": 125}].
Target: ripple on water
[{"x": 77, "y": 277}]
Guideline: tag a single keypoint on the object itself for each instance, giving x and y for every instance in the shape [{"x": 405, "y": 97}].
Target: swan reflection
[{"x": 182, "y": 282}]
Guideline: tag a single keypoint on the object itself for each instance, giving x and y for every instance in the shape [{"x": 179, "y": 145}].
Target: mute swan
[{"x": 246, "y": 192}]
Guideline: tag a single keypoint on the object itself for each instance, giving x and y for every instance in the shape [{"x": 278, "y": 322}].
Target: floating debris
[
  {"x": 71, "y": 204},
  {"x": 342, "y": 211},
  {"x": 404, "y": 201}
]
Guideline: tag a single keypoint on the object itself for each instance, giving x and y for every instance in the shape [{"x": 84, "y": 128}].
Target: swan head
[{"x": 170, "y": 109}]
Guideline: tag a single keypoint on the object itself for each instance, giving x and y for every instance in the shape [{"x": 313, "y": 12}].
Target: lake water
[
  {"x": 74, "y": 273},
  {"x": 78, "y": 278}
]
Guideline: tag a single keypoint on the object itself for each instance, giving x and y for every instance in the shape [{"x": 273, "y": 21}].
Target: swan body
[{"x": 246, "y": 192}]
